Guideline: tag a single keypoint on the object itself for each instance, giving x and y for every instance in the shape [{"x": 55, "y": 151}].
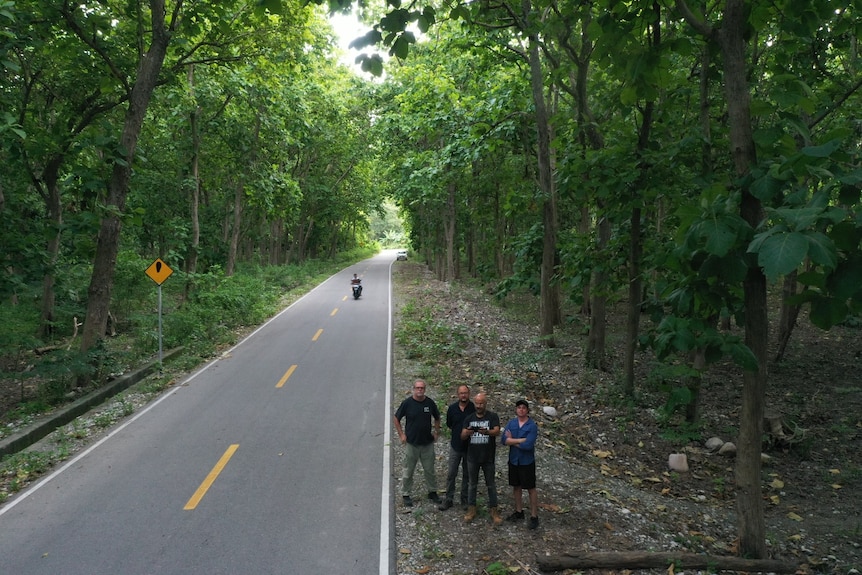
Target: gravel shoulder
[{"x": 603, "y": 478}]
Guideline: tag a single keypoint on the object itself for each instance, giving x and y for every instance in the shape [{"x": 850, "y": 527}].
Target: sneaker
[
  {"x": 407, "y": 501},
  {"x": 447, "y": 503},
  {"x": 534, "y": 522},
  {"x": 515, "y": 516},
  {"x": 434, "y": 497}
]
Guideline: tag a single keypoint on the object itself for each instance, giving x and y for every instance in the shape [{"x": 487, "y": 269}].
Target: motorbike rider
[{"x": 357, "y": 282}]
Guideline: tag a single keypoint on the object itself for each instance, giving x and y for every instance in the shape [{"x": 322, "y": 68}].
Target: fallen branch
[
  {"x": 644, "y": 560},
  {"x": 524, "y": 567}
]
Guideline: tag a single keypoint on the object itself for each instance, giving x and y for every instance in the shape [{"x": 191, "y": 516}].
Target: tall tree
[{"x": 139, "y": 94}]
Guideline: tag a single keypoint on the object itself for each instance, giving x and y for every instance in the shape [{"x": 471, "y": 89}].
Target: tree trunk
[
  {"x": 596, "y": 354},
  {"x": 449, "y": 231},
  {"x": 789, "y": 313},
  {"x": 705, "y": 109},
  {"x": 692, "y": 408},
  {"x": 749, "y": 500},
  {"x": 194, "y": 207},
  {"x": 51, "y": 193},
  {"x": 633, "y": 315},
  {"x": 625, "y": 560},
  {"x": 230, "y": 266},
  {"x": 591, "y": 138},
  {"x": 550, "y": 303},
  {"x": 108, "y": 243},
  {"x": 584, "y": 229}
]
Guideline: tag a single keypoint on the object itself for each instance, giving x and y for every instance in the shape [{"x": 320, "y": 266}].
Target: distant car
[{"x": 401, "y": 255}]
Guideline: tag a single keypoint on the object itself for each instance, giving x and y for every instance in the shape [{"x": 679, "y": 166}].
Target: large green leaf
[
  {"x": 766, "y": 187},
  {"x": 846, "y": 236},
  {"x": 798, "y": 219},
  {"x": 781, "y": 253},
  {"x": 823, "y": 151},
  {"x": 742, "y": 355},
  {"x": 847, "y": 279},
  {"x": 720, "y": 234},
  {"x": 731, "y": 269},
  {"x": 827, "y": 311},
  {"x": 821, "y": 250}
]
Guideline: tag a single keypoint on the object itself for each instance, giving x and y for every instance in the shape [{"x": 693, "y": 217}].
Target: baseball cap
[{"x": 522, "y": 402}]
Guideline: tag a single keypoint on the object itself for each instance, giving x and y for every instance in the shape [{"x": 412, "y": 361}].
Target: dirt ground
[{"x": 602, "y": 463}]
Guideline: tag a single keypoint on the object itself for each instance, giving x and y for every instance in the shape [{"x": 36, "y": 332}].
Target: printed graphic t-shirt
[{"x": 482, "y": 448}]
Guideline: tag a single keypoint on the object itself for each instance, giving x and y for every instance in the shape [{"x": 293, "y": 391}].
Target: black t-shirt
[
  {"x": 455, "y": 422},
  {"x": 418, "y": 416},
  {"x": 482, "y": 447}
]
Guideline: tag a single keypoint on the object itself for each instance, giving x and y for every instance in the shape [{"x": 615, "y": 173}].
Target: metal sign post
[{"x": 159, "y": 271}]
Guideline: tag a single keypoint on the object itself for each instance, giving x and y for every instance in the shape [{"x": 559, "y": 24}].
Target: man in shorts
[{"x": 520, "y": 435}]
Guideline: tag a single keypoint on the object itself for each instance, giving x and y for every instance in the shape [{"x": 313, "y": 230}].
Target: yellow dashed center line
[
  {"x": 335, "y": 311},
  {"x": 317, "y": 335},
  {"x": 284, "y": 377},
  {"x": 210, "y": 479}
]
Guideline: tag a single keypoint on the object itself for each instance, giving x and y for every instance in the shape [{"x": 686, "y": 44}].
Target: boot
[
  {"x": 495, "y": 516},
  {"x": 471, "y": 514}
]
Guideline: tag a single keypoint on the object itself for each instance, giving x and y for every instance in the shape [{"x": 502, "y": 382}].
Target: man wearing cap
[{"x": 520, "y": 435}]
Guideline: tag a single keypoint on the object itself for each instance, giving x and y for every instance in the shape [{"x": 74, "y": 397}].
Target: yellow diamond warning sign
[{"x": 159, "y": 271}]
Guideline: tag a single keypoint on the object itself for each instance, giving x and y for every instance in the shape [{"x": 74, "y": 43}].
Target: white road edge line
[
  {"x": 387, "y": 450},
  {"x": 9, "y": 506}
]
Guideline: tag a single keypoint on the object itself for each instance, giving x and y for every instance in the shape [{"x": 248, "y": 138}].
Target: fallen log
[{"x": 659, "y": 560}]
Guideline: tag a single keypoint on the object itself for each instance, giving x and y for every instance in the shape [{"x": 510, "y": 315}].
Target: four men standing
[{"x": 472, "y": 448}]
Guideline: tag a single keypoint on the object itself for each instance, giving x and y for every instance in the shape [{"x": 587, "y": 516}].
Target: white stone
[
  {"x": 549, "y": 411},
  {"x": 728, "y": 449},
  {"x": 714, "y": 443},
  {"x": 677, "y": 462}
]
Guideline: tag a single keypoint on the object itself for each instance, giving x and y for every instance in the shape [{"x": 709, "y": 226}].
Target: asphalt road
[{"x": 271, "y": 459}]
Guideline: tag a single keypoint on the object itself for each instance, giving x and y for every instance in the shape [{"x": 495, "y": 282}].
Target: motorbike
[{"x": 357, "y": 290}]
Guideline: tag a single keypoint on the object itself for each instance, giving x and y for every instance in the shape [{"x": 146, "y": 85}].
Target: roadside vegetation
[{"x": 219, "y": 311}]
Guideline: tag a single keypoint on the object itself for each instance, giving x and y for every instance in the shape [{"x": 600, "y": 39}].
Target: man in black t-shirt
[
  {"x": 480, "y": 429},
  {"x": 455, "y": 415},
  {"x": 419, "y": 413}
]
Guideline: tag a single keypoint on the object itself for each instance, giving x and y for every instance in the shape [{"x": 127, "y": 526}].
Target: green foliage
[
  {"x": 23, "y": 467},
  {"x": 425, "y": 338},
  {"x": 682, "y": 433},
  {"x": 217, "y": 308},
  {"x": 497, "y": 568},
  {"x": 533, "y": 361},
  {"x": 528, "y": 256}
]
